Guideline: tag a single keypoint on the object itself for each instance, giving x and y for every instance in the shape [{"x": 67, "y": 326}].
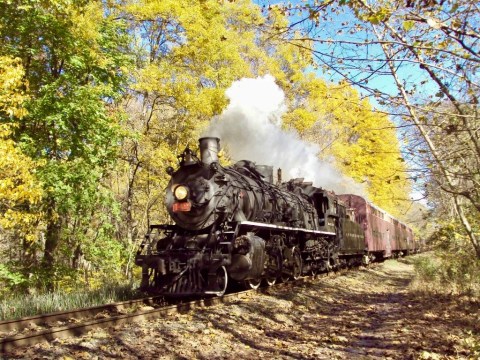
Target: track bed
[{"x": 366, "y": 314}]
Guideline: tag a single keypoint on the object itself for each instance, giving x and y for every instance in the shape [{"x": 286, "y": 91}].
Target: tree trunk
[
  {"x": 52, "y": 239},
  {"x": 433, "y": 150}
]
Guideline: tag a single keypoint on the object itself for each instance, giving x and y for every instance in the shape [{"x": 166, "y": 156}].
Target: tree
[
  {"x": 20, "y": 191},
  {"x": 187, "y": 55},
  {"x": 362, "y": 142},
  {"x": 75, "y": 65},
  {"x": 410, "y": 58}
]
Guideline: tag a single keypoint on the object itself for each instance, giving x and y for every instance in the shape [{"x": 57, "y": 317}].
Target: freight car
[
  {"x": 385, "y": 236},
  {"x": 233, "y": 223}
]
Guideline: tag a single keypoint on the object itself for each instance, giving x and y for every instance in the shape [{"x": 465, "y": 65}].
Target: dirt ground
[{"x": 366, "y": 314}]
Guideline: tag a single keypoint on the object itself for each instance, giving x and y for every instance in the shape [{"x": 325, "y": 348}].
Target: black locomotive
[{"x": 235, "y": 223}]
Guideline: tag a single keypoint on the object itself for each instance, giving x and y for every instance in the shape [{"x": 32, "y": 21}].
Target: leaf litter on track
[{"x": 366, "y": 314}]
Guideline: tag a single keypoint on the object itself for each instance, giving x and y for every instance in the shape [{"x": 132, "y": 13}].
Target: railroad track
[
  {"x": 36, "y": 329},
  {"x": 41, "y": 328}
]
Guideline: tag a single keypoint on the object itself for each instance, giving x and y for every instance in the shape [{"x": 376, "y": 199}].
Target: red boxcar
[{"x": 385, "y": 236}]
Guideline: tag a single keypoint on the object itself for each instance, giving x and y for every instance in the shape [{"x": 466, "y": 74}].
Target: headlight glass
[{"x": 180, "y": 192}]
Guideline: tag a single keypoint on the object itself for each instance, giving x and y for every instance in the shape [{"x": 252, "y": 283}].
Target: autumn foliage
[{"x": 98, "y": 98}]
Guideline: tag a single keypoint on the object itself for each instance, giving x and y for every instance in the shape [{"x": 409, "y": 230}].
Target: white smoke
[{"x": 250, "y": 127}]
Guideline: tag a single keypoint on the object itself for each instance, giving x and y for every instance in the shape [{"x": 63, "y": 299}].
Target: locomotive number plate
[{"x": 182, "y": 206}]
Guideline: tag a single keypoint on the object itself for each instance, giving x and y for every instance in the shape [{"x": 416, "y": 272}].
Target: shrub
[{"x": 452, "y": 267}]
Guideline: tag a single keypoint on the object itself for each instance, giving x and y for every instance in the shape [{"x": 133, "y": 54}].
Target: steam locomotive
[{"x": 234, "y": 224}]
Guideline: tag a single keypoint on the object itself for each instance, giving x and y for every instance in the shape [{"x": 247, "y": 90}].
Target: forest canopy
[{"x": 97, "y": 98}]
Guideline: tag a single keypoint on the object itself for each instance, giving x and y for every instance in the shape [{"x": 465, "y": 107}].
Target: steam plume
[{"x": 250, "y": 127}]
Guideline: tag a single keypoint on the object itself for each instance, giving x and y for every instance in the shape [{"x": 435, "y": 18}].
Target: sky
[{"x": 363, "y": 65}]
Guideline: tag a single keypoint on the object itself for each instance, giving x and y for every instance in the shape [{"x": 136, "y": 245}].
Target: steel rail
[
  {"x": 11, "y": 342},
  {"x": 44, "y": 319}
]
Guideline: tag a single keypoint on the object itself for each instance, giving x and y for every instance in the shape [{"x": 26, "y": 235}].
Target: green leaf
[{"x": 408, "y": 25}]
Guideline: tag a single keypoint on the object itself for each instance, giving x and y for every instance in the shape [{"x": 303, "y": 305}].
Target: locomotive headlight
[{"x": 180, "y": 192}]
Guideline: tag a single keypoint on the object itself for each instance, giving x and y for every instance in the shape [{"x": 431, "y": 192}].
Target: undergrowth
[
  {"x": 446, "y": 273},
  {"x": 21, "y": 305},
  {"x": 452, "y": 266}
]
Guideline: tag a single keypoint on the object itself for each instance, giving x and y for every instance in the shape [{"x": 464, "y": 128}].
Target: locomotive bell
[{"x": 209, "y": 148}]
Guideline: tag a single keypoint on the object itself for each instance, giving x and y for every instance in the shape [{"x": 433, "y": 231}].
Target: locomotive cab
[{"x": 327, "y": 210}]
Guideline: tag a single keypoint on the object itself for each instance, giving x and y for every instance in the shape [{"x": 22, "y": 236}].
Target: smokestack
[{"x": 209, "y": 148}]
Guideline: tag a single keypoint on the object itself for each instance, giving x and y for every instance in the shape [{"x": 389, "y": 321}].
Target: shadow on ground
[{"x": 366, "y": 314}]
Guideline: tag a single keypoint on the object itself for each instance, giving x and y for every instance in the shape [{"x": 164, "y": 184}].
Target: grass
[
  {"x": 443, "y": 273},
  {"x": 18, "y": 306}
]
